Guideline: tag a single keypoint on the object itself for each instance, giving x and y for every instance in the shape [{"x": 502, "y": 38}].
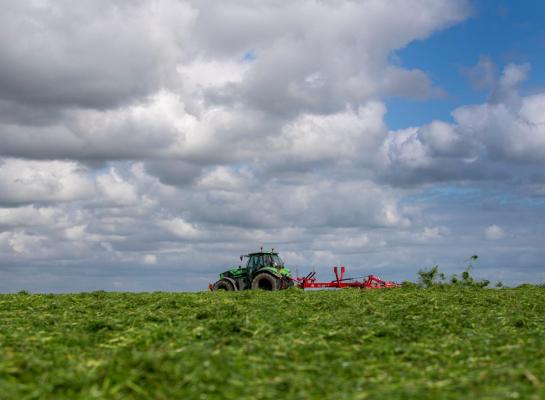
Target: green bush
[{"x": 433, "y": 277}]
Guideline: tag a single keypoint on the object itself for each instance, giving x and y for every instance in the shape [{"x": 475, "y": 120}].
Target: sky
[{"x": 144, "y": 146}]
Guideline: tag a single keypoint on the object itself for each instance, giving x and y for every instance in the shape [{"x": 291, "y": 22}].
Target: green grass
[{"x": 449, "y": 342}]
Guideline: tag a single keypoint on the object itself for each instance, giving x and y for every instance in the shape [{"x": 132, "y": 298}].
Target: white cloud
[
  {"x": 175, "y": 84},
  {"x": 223, "y": 178},
  {"x": 180, "y": 228},
  {"x": 76, "y": 232},
  {"x": 30, "y": 216},
  {"x": 24, "y": 243},
  {"x": 115, "y": 189},
  {"x": 508, "y": 129},
  {"x": 404, "y": 148},
  {"x": 430, "y": 234},
  {"x": 494, "y": 232},
  {"x": 211, "y": 128},
  {"x": 506, "y": 134},
  {"x": 23, "y": 181},
  {"x": 150, "y": 259},
  {"x": 347, "y": 137},
  {"x": 299, "y": 38},
  {"x": 513, "y": 75}
]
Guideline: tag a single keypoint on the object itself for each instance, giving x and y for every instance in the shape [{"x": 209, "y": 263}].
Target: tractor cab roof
[{"x": 261, "y": 253}]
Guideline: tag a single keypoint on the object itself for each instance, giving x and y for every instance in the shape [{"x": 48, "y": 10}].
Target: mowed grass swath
[{"x": 443, "y": 342}]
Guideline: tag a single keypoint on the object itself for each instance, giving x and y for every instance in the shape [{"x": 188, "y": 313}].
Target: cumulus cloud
[
  {"x": 28, "y": 216},
  {"x": 180, "y": 133},
  {"x": 26, "y": 182},
  {"x": 513, "y": 135},
  {"x": 313, "y": 141},
  {"x": 479, "y": 143},
  {"x": 301, "y": 37},
  {"x": 175, "y": 82},
  {"x": 180, "y": 228},
  {"x": 96, "y": 54},
  {"x": 116, "y": 190}
]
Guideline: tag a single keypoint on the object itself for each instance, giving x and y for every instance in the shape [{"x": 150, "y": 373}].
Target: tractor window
[
  {"x": 255, "y": 261},
  {"x": 277, "y": 261},
  {"x": 267, "y": 260}
]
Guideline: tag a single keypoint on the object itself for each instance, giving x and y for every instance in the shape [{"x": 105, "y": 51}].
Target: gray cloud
[
  {"x": 325, "y": 57},
  {"x": 483, "y": 75},
  {"x": 94, "y": 55},
  {"x": 125, "y": 80}
]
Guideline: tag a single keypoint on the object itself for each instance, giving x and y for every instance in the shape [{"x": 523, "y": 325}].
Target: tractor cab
[
  {"x": 262, "y": 259},
  {"x": 262, "y": 270}
]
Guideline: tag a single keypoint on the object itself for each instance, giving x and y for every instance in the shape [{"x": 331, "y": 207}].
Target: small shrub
[
  {"x": 428, "y": 278},
  {"x": 433, "y": 277}
]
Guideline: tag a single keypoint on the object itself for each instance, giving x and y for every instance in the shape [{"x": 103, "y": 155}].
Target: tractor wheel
[
  {"x": 265, "y": 281},
  {"x": 223, "y": 284}
]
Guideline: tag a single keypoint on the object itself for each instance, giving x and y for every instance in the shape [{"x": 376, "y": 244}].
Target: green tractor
[{"x": 264, "y": 270}]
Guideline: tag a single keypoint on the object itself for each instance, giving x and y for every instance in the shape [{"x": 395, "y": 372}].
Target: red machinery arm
[{"x": 371, "y": 282}]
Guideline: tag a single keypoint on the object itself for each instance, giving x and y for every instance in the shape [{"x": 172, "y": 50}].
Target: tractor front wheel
[
  {"x": 223, "y": 284},
  {"x": 265, "y": 281}
]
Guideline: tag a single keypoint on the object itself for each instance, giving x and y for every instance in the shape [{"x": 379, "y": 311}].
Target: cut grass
[{"x": 443, "y": 342}]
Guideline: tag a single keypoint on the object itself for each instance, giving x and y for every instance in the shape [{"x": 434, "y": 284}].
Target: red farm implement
[{"x": 369, "y": 282}]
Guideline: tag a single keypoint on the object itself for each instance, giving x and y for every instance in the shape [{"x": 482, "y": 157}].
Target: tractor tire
[
  {"x": 265, "y": 281},
  {"x": 223, "y": 284}
]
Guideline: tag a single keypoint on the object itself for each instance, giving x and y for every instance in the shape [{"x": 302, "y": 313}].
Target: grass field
[{"x": 449, "y": 343}]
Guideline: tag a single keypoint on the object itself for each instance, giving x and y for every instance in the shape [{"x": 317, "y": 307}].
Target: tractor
[{"x": 263, "y": 270}]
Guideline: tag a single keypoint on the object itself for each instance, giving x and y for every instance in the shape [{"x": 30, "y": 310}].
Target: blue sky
[{"x": 505, "y": 31}]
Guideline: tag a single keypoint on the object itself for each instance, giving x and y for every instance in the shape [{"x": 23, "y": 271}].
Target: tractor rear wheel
[
  {"x": 265, "y": 281},
  {"x": 223, "y": 284}
]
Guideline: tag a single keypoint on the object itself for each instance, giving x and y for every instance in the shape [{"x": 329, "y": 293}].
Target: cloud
[
  {"x": 483, "y": 76},
  {"x": 150, "y": 259},
  {"x": 174, "y": 84},
  {"x": 28, "y": 216},
  {"x": 321, "y": 141},
  {"x": 507, "y": 134},
  {"x": 26, "y": 182},
  {"x": 479, "y": 144},
  {"x": 116, "y": 190},
  {"x": 144, "y": 130},
  {"x": 300, "y": 39},
  {"x": 494, "y": 232},
  {"x": 180, "y": 228},
  {"x": 66, "y": 56},
  {"x": 23, "y": 243},
  {"x": 181, "y": 134}
]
